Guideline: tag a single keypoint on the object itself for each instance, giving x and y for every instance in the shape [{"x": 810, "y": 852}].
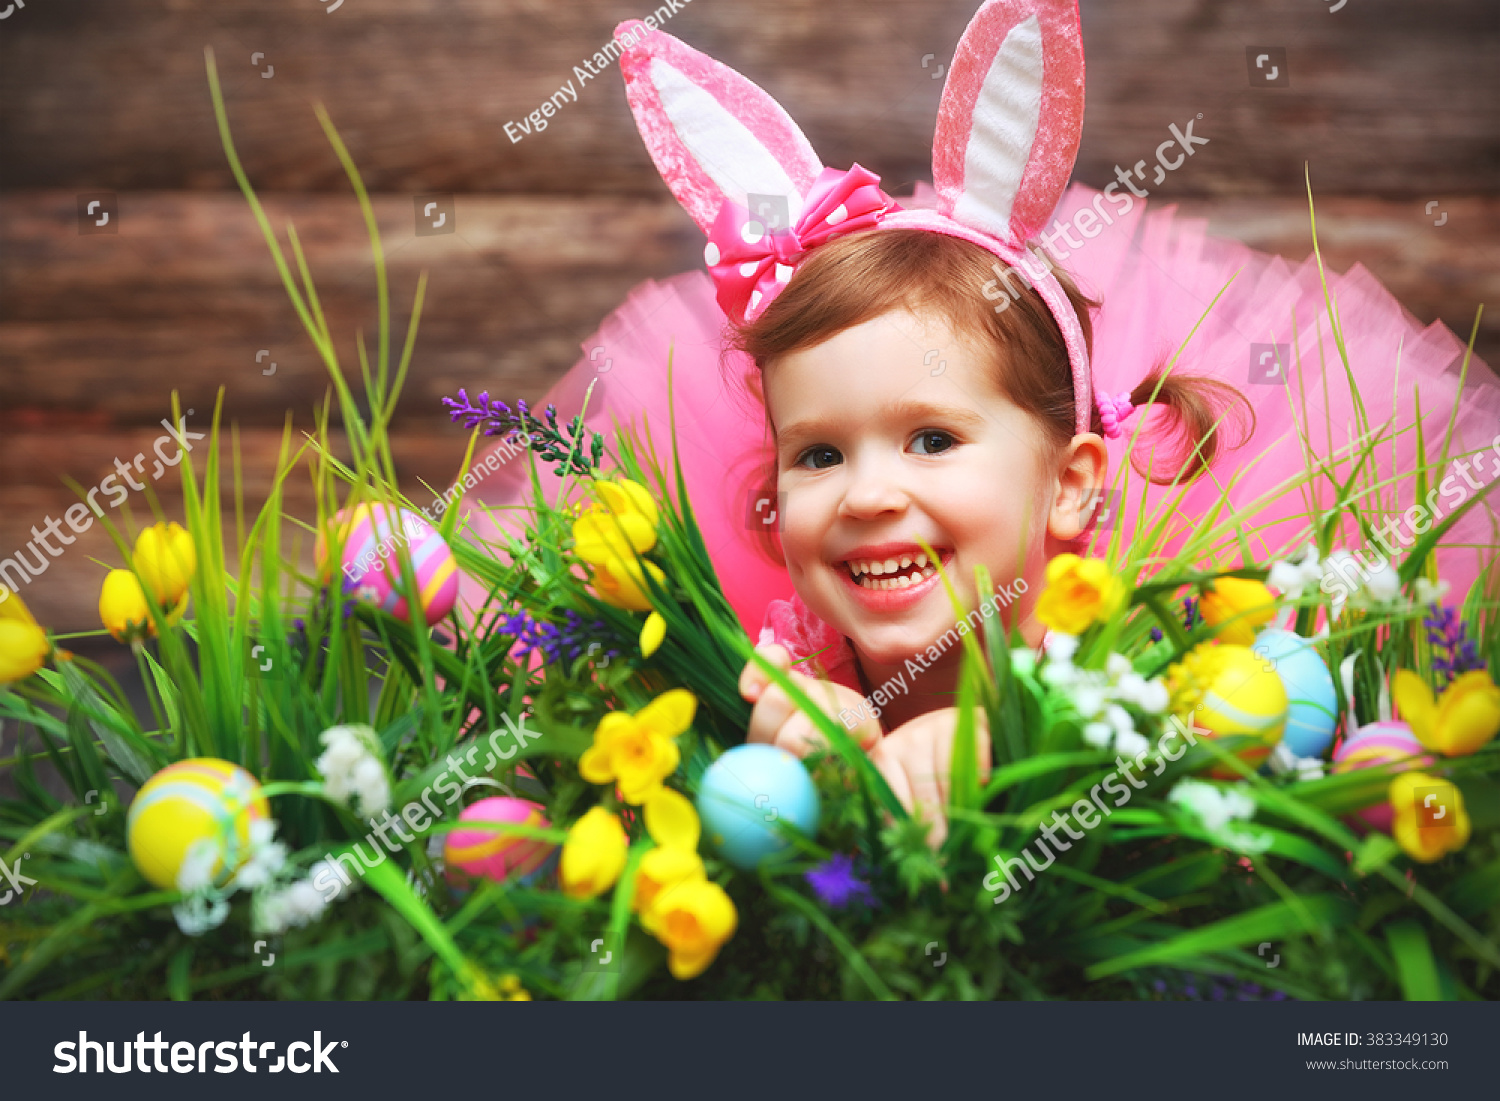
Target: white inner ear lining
[
  {"x": 724, "y": 147},
  {"x": 1003, "y": 131}
]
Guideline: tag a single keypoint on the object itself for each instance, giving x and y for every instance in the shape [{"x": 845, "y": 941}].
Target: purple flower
[
  {"x": 575, "y": 448},
  {"x": 1453, "y": 651},
  {"x": 837, "y": 885},
  {"x": 1190, "y": 616},
  {"x": 558, "y": 644}
]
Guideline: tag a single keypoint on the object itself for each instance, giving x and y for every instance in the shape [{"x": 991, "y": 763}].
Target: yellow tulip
[
  {"x": 23, "y": 644},
  {"x": 1079, "y": 592},
  {"x": 123, "y": 609},
  {"x": 652, "y": 634},
  {"x": 693, "y": 920},
  {"x": 593, "y": 856},
  {"x": 1464, "y": 718},
  {"x": 166, "y": 560},
  {"x": 610, "y": 535},
  {"x": 1429, "y": 819},
  {"x": 637, "y": 752},
  {"x": 1237, "y": 606}
]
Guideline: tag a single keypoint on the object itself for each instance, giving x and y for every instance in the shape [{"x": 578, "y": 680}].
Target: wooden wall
[{"x": 1391, "y": 104}]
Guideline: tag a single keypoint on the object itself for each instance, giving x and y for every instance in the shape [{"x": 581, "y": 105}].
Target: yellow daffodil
[
  {"x": 1237, "y": 606},
  {"x": 673, "y": 824},
  {"x": 693, "y": 919},
  {"x": 593, "y": 855},
  {"x": 1464, "y": 718},
  {"x": 124, "y": 611},
  {"x": 1429, "y": 819},
  {"x": 166, "y": 560},
  {"x": 23, "y": 644},
  {"x": 652, "y": 634},
  {"x": 610, "y": 535},
  {"x": 1079, "y": 592},
  {"x": 637, "y": 752}
]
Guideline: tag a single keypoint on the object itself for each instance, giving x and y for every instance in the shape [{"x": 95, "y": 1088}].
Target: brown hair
[{"x": 860, "y": 276}]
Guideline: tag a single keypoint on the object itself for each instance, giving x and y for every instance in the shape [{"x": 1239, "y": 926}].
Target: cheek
[{"x": 803, "y": 523}]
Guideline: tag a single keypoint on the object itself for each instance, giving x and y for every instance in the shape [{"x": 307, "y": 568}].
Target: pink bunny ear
[
  {"x": 1010, "y": 118},
  {"x": 713, "y": 134}
]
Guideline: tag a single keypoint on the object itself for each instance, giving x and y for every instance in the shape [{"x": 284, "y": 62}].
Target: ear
[
  {"x": 1011, "y": 117},
  {"x": 1081, "y": 472},
  {"x": 713, "y": 134}
]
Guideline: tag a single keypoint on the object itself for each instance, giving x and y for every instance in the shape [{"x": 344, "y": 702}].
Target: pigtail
[{"x": 1207, "y": 418}]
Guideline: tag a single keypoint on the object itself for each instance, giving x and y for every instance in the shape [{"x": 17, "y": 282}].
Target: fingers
[
  {"x": 753, "y": 679},
  {"x": 776, "y": 720},
  {"x": 884, "y": 757}
]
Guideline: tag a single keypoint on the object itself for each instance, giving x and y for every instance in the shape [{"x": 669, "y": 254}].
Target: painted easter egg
[
  {"x": 1241, "y": 695},
  {"x": 1380, "y": 743},
  {"x": 374, "y": 539},
  {"x": 196, "y": 799},
  {"x": 488, "y": 854},
  {"x": 1312, "y": 704},
  {"x": 747, "y": 795}
]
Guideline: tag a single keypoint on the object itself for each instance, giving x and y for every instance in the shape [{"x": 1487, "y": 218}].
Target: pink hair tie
[{"x": 1113, "y": 411}]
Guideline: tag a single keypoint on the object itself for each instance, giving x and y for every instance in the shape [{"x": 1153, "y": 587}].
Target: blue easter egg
[
  {"x": 1313, "y": 712},
  {"x": 748, "y": 794}
]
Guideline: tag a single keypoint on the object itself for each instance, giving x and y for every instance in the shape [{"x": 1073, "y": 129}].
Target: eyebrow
[{"x": 904, "y": 410}]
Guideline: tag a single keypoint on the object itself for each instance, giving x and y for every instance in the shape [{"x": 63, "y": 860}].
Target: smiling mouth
[{"x": 897, "y": 572}]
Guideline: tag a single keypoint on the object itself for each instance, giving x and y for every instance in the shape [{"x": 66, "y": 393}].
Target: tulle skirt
[{"x": 1167, "y": 289}]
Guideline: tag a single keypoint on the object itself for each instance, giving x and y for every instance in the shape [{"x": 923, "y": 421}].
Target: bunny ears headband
[{"x": 1007, "y": 135}]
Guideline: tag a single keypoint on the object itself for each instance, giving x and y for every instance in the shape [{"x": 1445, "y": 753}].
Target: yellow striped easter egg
[{"x": 201, "y": 797}]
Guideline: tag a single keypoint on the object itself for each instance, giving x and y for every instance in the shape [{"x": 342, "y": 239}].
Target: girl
[
  {"x": 982, "y": 461},
  {"x": 917, "y": 375}
]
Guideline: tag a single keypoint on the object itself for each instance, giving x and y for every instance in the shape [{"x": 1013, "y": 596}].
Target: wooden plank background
[{"x": 1391, "y": 104}]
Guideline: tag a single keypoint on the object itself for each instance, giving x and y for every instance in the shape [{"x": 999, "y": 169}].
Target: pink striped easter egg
[
  {"x": 485, "y": 853},
  {"x": 1379, "y": 743},
  {"x": 376, "y": 538}
]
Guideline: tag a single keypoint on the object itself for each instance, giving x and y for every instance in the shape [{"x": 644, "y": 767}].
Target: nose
[{"x": 875, "y": 487}]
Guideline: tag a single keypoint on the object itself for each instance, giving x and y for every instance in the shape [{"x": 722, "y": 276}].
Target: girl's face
[{"x": 880, "y": 441}]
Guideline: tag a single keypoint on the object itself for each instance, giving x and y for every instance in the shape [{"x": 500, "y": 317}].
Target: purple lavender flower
[
  {"x": 557, "y": 644},
  {"x": 837, "y": 884},
  {"x": 1453, "y": 651},
  {"x": 1191, "y": 618},
  {"x": 553, "y": 443}
]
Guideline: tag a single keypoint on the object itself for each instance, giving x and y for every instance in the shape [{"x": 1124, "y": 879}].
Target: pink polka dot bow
[{"x": 752, "y": 258}]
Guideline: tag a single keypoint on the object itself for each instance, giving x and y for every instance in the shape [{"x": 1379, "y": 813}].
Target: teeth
[
  {"x": 915, "y": 577},
  {"x": 913, "y": 567}
]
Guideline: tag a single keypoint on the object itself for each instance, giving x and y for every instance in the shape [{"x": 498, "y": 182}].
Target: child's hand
[
  {"x": 916, "y": 760},
  {"x": 776, "y": 720}
]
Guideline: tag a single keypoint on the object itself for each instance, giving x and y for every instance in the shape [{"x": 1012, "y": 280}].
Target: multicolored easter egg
[
  {"x": 747, "y": 795},
  {"x": 374, "y": 538},
  {"x": 1313, "y": 709},
  {"x": 488, "y": 854},
  {"x": 1237, "y": 694},
  {"x": 196, "y": 799},
  {"x": 1380, "y": 743}
]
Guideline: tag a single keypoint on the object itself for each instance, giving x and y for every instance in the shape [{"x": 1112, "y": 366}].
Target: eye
[
  {"x": 933, "y": 442},
  {"x": 831, "y": 454}
]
